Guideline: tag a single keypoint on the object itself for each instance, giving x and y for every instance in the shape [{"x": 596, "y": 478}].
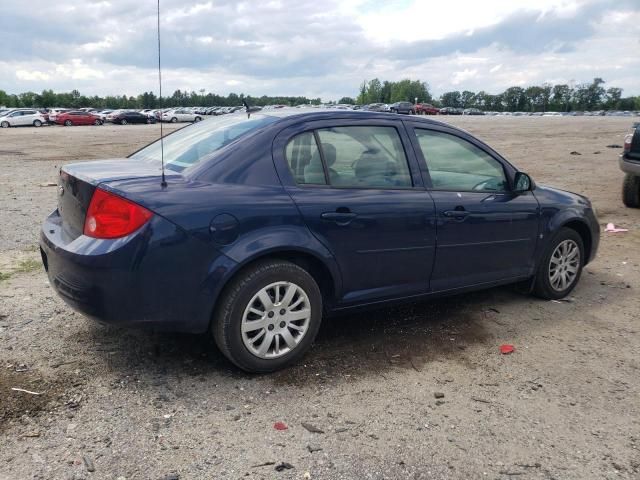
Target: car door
[
  {"x": 358, "y": 188},
  {"x": 485, "y": 232},
  {"x": 21, "y": 118}
]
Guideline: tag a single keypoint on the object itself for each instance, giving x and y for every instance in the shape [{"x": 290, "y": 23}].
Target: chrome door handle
[
  {"x": 457, "y": 214},
  {"x": 341, "y": 218}
]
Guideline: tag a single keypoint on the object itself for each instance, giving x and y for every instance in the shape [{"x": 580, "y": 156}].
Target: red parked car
[
  {"x": 426, "y": 109},
  {"x": 77, "y": 118}
]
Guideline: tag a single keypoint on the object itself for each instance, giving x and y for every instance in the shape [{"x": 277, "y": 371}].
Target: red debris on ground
[
  {"x": 507, "y": 349},
  {"x": 280, "y": 426}
]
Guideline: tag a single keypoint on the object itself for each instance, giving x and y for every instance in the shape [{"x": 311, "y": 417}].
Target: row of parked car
[
  {"x": 36, "y": 117},
  {"x": 428, "y": 109}
]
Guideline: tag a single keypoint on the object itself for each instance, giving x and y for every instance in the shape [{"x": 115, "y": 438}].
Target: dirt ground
[{"x": 122, "y": 404}]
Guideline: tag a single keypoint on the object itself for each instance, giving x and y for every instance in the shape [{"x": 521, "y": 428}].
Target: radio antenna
[{"x": 163, "y": 181}]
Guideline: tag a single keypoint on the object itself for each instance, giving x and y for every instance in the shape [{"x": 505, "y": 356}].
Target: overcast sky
[{"x": 317, "y": 48}]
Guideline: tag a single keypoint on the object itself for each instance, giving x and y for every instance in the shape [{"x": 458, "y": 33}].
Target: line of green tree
[
  {"x": 74, "y": 99},
  {"x": 536, "y": 98}
]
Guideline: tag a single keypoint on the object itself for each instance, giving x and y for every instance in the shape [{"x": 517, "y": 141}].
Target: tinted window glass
[
  {"x": 457, "y": 165},
  {"x": 191, "y": 144},
  {"x": 303, "y": 158},
  {"x": 365, "y": 157}
]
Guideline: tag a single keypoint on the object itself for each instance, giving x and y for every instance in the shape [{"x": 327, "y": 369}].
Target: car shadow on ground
[{"x": 349, "y": 345}]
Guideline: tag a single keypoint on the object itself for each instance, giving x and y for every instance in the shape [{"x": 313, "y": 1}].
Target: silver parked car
[
  {"x": 22, "y": 117},
  {"x": 180, "y": 115}
]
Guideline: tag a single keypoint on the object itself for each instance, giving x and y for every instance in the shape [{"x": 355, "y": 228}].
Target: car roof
[{"x": 331, "y": 113}]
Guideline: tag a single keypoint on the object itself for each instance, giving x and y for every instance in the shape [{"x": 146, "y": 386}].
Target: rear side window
[
  {"x": 350, "y": 157},
  {"x": 457, "y": 165},
  {"x": 304, "y": 160},
  {"x": 191, "y": 144},
  {"x": 365, "y": 157}
]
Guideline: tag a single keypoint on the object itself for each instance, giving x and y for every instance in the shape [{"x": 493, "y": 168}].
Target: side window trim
[
  {"x": 508, "y": 169},
  {"x": 325, "y": 169}
]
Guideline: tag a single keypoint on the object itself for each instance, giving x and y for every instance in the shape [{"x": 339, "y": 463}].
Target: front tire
[
  {"x": 123, "y": 122},
  {"x": 37, "y": 123},
  {"x": 268, "y": 317},
  {"x": 5, "y": 124},
  {"x": 561, "y": 266},
  {"x": 631, "y": 191},
  {"x": 97, "y": 122},
  {"x": 174, "y": 120},
  {"x": 197, "y": 119},
  {"x": 68, "y": 123}
]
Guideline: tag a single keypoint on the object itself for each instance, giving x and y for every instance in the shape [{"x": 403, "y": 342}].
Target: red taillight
[
  {"x": 627, "y": 142},
  {"x": 111, "y": 216}
]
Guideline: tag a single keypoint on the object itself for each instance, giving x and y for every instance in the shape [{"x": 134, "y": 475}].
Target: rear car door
[
  {"x": 486, "y": 232},
  {"x": 358, "y": 188}
]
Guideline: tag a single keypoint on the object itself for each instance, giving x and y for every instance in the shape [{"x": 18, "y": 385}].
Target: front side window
[
  {"x": 457, "y": 165},
  {"x": 364, "y": 157}
]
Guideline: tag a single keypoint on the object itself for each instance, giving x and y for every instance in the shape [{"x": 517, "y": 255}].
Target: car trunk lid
[{"x": 78, "y": 182}]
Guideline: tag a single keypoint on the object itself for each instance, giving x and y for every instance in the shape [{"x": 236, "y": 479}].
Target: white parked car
[
  {"x": 22, "y": 117},
  {"x": 180, "y": 115}
]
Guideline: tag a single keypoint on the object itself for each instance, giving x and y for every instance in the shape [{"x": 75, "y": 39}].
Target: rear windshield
[{"x": 191, "y": 144}]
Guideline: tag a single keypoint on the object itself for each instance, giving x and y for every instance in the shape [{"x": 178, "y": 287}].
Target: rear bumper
[
  {"x": 627, "y": 165},
  {"x": 158, "y": 277}
]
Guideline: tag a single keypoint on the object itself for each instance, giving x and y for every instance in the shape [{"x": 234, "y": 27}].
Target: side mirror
[{"x": 522, "y": 183}]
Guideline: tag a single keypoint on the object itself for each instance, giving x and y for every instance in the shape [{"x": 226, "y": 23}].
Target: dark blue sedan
[{"x": 267, "y": 223}]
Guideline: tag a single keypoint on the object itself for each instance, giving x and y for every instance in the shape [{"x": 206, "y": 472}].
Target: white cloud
[
  {"x": 31, "y": 75},
  {"x": 464, "y": 75}
]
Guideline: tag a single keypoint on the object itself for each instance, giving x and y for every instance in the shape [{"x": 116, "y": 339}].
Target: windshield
[{"x": 189, "y": 145}]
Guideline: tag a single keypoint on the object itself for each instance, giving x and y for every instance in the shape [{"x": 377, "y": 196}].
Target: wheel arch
[
  {"x": 583, "y": 230},
  {"x": 326, "y": 276}
]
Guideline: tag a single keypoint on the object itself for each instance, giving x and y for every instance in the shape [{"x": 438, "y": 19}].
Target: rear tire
[
  {"x": 241, "y": 304},
  {"x": 550, "y": 286},
  {"x": 197, "y": 119},
  {"x": 123, "y": 122},
  {"x": 37, "y": 123},
  {"x": 631, "y": 191}
]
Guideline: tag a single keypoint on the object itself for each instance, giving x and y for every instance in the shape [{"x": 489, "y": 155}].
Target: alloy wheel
[
  {"x": 564, "y": 265},
  {"x": 276, "y": 320}
]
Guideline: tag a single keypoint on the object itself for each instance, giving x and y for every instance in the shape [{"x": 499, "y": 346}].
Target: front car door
[
  {"x": 19, "y": 118},
  {"x": 486, "y": 232},
  {"x": 358, "y": 187}
]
